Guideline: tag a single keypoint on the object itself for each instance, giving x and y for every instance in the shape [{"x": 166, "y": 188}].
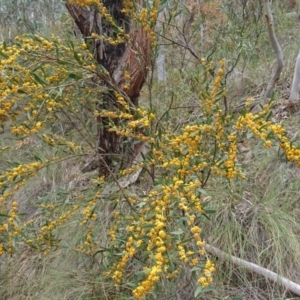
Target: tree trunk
[{"x": 132, "y": 57}]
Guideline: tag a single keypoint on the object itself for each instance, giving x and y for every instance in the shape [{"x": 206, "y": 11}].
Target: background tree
[{"x": 20, "y": 16}]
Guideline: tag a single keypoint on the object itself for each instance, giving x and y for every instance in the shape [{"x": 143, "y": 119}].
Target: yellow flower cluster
[
  {"x": 209, "y": 270},
  {"x": 159, "y": 242},
  {"x": 25, "y": 131},
  {"x": 5, "y": 109},
  {"x": 31, "y": 88},
  {"x": 130, "y": 170},
  {"x": 10, "y": 229},
  {"x": 28, "y": 170},
  {"x": 266, "y": 130},
  {"x": 57, "y": 140},
  {"x": 148, "y": 285},
  {"x": 147, "y": 17},
  {"x": 11, "y": 55},
  {"x": 232, "y": 154},
  {"x": 129, "y": 9},
  {"x": 89, "y": 246},
  {"x": 113, "y": 115},
  {"x": 154, "y": 233},
  {"x": 88, "y": 213},
  {"x": 46, "y": 240},
  {"x": 121, "y": 265},
  {"x": 132, "y": 127}
]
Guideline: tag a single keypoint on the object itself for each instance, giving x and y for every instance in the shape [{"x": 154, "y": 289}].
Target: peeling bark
[{"x": 132, "y": 57}]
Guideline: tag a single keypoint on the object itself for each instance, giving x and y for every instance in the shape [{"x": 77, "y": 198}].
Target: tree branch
[
  {"x": 276, "y": 48},
  {"x": 296, "y": 82}
]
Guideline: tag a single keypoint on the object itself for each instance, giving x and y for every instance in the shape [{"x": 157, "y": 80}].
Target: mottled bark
[{"x": 132, "y": 57}]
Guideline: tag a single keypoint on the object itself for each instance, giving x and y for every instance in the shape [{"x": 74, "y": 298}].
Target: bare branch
[
  {"x": 276, "y": 48},
  {"x": 296, "y": 82}
]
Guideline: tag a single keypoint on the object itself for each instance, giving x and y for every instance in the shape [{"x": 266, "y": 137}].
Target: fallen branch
[
  {"x": 276, "y": 48},
  {"x": 288, "y": 284}
]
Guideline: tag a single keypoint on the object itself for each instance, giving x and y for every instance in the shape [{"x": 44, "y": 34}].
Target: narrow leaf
[
  {"x": 198, "y": 291},
  {"x": 4, "y": 55},
  {"x": 75, "y": 76},
  {"x": 39, "y": 79}
]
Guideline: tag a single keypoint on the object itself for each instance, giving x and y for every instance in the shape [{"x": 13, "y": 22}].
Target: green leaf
[
  {"x": 249, "y": 134},
  {"x": 62, "y": 62},
  {"x": 178, "y": 232},
  {"x": 39, "y": 79},
  {"x": 79, "y": 60},
  {"x": 101, "y": 251},
  {"x": 3, "y": 215},
  {"x": 34, "y": 37},
  {"x": 131, "y": 284},
  {"x": 140, "y": 273},
  {"x": 198, "y": 291},
  {"x": 196, "y": 269},
  {"x": 71, "y": 44},
  {"x": 269, "y": 115},
  {"x": 159, "y": 132},
  {"x": 21, "y": 91},
  {"x": 141, "y": 204},
  {"x": 75, "y": 76},
  {"x": 186, "y": 240},
  {"x": 38, "y": 158},
  {"x": 99, "y": 278},
  {"x": 183, "y": 219},
  {"x": 56, "y": 50},
  {"x": 4, "y": 55},
  {"x": 210, "y": 211},
  {"x": 201, "y": 290},
  {"x": 202, "y": 191},
  {"x": 22, "y": 214},
  {"x": 150, "y": 215},
  {"x": 148, "y": 226},
  {"x": 206, "y": 216},
  {"x": 33, "y": 246}
]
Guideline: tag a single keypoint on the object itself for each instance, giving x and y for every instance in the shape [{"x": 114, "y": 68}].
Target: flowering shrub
[{"x": 152, "y": 236}]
